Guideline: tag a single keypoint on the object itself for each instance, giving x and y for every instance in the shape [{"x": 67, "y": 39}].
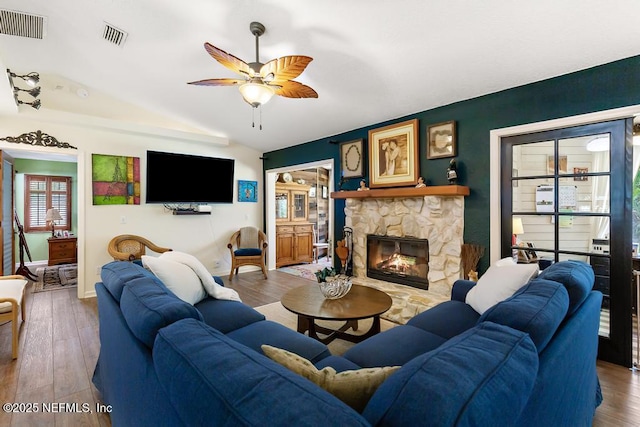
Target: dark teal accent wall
[{"x": 600, "y": 88}]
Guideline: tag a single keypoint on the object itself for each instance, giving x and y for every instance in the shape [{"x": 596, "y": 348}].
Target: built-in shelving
[{"x": 381, "y": 193}]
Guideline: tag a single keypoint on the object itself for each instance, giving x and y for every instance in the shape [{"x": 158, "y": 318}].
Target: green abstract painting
[{"x": 115, "y": 180}]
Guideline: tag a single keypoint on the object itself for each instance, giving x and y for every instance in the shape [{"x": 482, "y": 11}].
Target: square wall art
[
  {"x": 115, "y": 180},
  {"x": 247, "y": 191}
]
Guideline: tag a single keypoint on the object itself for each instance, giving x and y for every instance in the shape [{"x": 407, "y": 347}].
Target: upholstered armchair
[
  {"x": 128, "y": 247},
  {"x": 11, "y": 304},
  {"x": 248, "y": 246}
]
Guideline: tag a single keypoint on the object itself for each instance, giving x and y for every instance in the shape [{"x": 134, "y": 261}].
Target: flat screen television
[{"x": 186, "y": 178}]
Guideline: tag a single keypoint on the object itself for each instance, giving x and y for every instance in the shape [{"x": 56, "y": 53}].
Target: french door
[{"x": 566, "y": 194}]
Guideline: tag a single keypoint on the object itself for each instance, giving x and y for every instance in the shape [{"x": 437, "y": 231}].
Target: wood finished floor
[{"x": 59, "y": 346}]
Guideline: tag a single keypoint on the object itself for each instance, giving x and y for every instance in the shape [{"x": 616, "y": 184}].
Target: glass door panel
[
  {"x": 567, "y": 194},
  {"x": 282, "y": 206}
]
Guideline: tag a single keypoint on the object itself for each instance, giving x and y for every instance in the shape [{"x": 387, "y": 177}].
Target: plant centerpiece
[{"x": 333, "y": 285}]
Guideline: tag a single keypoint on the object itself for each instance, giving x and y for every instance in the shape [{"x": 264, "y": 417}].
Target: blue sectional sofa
[{"x": 529, "y": 360}]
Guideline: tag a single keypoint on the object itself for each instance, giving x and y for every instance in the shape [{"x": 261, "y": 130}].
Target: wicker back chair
[
  {"x": 243, "y": 255},
  {"x": 129, "y": 247}
]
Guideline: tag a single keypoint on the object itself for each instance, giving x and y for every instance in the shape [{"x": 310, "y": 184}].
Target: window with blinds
[{"x": 43, "y": 193}]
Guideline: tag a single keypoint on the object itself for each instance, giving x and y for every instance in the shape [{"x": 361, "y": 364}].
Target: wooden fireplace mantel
[{"x": 386, "y": 193}]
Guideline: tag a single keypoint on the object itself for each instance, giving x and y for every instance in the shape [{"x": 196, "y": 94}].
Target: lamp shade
[
  {"x": 52, "y": 215},
  {"x": 517, "y": 227},
  {"x": 256, "y": 94}
]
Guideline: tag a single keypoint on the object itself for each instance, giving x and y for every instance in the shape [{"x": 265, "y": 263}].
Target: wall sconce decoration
[
  {"x": 31, "y": 79},
  {"x": 35, "y": 104},
  {"x": 35, "y": 92}
]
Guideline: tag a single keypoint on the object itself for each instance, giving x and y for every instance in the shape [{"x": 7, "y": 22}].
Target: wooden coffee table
[{"x": 361, "y": 302}]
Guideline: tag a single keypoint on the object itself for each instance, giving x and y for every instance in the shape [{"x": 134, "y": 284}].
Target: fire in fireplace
[{"x": 403, "y": 260}]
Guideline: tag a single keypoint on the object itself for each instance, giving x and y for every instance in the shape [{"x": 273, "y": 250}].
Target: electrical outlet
[
  {"x": 97, "y": 270},
  {"x": 123, "y": 219}
]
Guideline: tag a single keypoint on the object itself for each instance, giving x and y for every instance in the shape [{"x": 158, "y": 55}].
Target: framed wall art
[
  {"x": 441, "y": 140},
  {"x": 351, "y": 159},
  {"x": 247, "y": 191},
  {"x": 580, "y": 171},
  {"x": 115, "y": 180},
  {"x": 393, "y": 155}
]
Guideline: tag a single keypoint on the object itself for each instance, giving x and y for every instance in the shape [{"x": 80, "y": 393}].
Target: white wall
[{"x": 204, "y": 236}]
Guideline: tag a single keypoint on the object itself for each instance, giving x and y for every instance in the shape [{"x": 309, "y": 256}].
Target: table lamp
[
  {"x": 51, "y": 217},
  {"x": 516, "y": 228}
]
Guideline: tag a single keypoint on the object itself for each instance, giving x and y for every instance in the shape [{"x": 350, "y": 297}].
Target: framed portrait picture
[
  {"x": 580, "y": 171},
  {"x": 312, "y": 191},
  {"x": 247, "y": 191},
  {"x": 351, "y": 159},
  {"x": 441, "y": 140},
  {"x": 393, "y": 155},
  {"x": 551, "y": 164}
]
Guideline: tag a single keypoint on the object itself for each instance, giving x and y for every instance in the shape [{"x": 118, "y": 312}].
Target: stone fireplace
[
  {"x": 403, "y": 260},
  {"x": 435, "y": 214}
]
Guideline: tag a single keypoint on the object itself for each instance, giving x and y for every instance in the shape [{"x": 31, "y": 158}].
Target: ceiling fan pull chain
[
  {"x": 253, "y": 119},
  {"x": 261, "y": 117}
]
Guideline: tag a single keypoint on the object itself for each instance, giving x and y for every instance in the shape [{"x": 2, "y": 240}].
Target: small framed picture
[
  {"x": 247, "y": 191},
  {"x": 325, "y": 192},
  {"x": 580, "y": 171},
  {"x": 441, "y": 140},
  {"x": 634, "y": 249},
  {"x": 351, "y": 159},
  {"x": 312, "y": 191}
]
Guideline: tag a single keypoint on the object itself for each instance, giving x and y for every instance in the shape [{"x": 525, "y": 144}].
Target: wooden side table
[{"x": 63, "y": 250}]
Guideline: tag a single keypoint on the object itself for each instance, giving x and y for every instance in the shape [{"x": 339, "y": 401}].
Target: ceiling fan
[{"x": 260, "y": 81}]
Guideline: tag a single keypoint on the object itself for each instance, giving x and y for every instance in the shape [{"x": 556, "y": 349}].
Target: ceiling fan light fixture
[{"x": 256, "y": 94}]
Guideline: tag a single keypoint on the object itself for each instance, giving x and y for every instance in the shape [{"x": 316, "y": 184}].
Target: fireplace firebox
[{"x": 403, "y": 260}]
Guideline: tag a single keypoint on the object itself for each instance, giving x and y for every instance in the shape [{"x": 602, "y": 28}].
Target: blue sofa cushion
[
  {"x": 227, "y": 316},
  {"x": 394, "y": 347},
  {"x": 447, "y": 319},
  {"x": 338, "y": 363},
  {"x": 537, "y": 308},
  {"x": 460, "y": 289},
  {"x": 247, "y": 252},
  {"x": 212, "y": 380},
  {"x": 576, "y": 276},
  {"x": 147, "y": 308},
  {"x": 482, "y": 377},
  {"x": 116, "y": 274},
  {"x": 277, "y": 335}
]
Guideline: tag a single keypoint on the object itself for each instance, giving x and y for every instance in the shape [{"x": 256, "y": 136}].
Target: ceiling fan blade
[
  {"x": 293, "y": 89},
  {"x": 285, "y": 68},
  {"x": 233, "y": 63},
  {"x": 217, "y": 82}
]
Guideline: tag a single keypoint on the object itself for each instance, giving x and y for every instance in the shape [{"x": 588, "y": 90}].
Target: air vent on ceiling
[
  {"x": 22, "y": 24},
  {"x": 114, "y": 35}
]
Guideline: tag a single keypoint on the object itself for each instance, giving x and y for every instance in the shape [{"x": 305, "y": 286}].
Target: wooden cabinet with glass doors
[{"x": 294, "y": 234}]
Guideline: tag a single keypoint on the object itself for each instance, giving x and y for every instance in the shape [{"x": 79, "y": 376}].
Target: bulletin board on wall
[{"x": 567, "y": 201}]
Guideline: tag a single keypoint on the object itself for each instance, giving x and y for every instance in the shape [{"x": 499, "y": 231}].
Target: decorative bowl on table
[{"x": 335, "y": 287}]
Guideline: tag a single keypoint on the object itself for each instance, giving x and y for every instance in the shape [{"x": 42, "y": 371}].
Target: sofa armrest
[{"x": 460, "y": 289}]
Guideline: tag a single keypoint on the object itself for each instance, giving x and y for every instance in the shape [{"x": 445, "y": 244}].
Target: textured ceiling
[{"x": 373, "y": 60}]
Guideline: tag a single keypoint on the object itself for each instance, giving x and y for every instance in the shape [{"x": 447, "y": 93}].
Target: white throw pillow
[
  {"x": 210, "y": 285},
  {"x": 499, "y": 283},
  {"x": 179, "y": 278}
]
